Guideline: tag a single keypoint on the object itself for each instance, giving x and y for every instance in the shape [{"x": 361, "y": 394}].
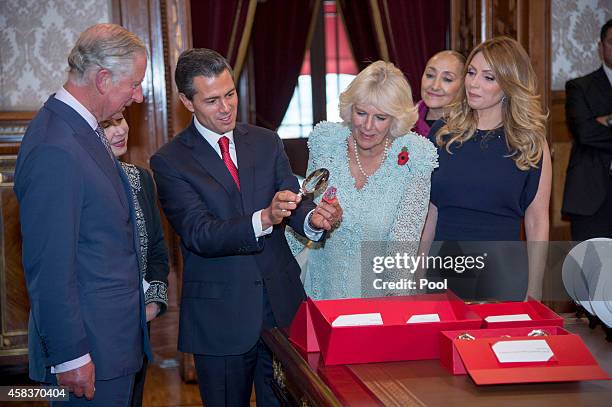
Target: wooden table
[{"x": 303, "y": 379}]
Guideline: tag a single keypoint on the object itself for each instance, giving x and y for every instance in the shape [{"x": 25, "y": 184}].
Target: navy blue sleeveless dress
[{"x": 481, "y": 196}]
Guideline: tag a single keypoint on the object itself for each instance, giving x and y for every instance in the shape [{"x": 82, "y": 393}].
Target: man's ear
[
  {"x": 188, "y": 103},
  {"x": 103, "y": 80}
]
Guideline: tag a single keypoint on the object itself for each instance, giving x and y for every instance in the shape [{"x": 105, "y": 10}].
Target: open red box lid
[
  {"x": 539, "y": 313},
  {"x": 301, "y": 332},
  {"x": 450, "y": 359},
  {"x": 395, "y": 339},
  {"x": 572, "y": 361}
]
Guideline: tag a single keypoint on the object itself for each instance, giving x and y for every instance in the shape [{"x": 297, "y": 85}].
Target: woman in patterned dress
[
  {"x": 153, "y": 251},
  {"x": 382, "y": 174}
]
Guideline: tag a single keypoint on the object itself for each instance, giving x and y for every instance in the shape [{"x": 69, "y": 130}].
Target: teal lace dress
[{"x": 390, "y": 207}]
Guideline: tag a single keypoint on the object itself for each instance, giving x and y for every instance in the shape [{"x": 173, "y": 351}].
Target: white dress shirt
[
  {"x": 212, "y": 138},
  {"x": 608, "y": 72}
]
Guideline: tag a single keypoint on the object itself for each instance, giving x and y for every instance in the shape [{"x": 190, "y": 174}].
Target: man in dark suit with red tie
[
  {"x": 587, "y": 198},
  {"x": 228, "y": 190}
]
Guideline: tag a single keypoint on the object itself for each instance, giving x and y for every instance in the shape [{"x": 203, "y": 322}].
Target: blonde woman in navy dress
[{"x": 495, "y": 173}]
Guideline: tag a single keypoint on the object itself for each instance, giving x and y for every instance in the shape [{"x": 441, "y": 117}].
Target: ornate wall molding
[
  {"x": 575, "y": 34},
  {"x": 35, "y": 39}
]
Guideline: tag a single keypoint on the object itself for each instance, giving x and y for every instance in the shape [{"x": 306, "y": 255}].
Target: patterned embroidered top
[
  {"x": 158, "y": 290},
  {"x": 390, "y": 207}
]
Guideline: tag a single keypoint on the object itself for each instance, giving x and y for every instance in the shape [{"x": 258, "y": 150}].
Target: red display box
[
  {"x": 539, "y": 313},
  {"x": 449, "y": 356},
  {"x": 301, "y": 332},
  {"x": 572, "y": 361},
  {"x": 395, "y": 339}
]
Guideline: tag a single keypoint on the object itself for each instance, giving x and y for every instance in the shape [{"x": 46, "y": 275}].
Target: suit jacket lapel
[
  {"x": 208, "y": 159},
  {"x": 245, "y": 153},
  {"x": 88, "y": 139},
  {"x": 601, "y": 86}
]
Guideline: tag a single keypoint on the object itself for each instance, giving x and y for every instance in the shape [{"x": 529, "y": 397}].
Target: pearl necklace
[{"x": 382, "y": 159}]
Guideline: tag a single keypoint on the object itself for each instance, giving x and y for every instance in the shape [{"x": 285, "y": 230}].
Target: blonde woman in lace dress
[{"x": 382, "y": 173}]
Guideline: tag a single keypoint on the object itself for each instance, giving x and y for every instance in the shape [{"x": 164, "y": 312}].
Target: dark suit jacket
[
  {"x": 588, "y": 171},
  {"x": 79, "y": 248},
  {"x": 224, "y": 265}
]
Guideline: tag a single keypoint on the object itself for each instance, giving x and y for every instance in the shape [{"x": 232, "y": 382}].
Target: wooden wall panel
[
  {"x": 537, "y": 42},
  {"x": 147, "y": 120},
  {"x": 474, "y": 21},
  {"x": 466, "y": 22},
  {"x": 178, "y": 31},
  {"x": 504, "y": 18},
  {"x": 561, "y": 144},
  {"x": 14, "y": 304}
]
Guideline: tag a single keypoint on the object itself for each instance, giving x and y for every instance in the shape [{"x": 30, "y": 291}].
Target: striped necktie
[{"x": 102, "y": 137}]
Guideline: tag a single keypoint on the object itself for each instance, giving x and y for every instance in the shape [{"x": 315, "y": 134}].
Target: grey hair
[
  {"x": 198, "y": 62},
  {"x": 104, "y": 46}
]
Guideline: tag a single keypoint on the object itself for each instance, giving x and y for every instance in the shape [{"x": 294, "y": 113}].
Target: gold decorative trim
[
  {"x": 350, "y": 42},
  {"x": 311, "y": 28},
  {"x": 237, "y": 17},
  {"x": 389, "y": 26},
  {"x": 13, "y": 352},
  {"x": 18, "y": 332},
  {"x": 245, "y": 39},
  {"x": 278, "y": 373},
  {"x": 380, "y": 32},
  {"x": 7, "y": 170}
]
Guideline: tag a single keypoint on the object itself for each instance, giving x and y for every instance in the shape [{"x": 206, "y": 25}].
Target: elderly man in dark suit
[
  {"x": 588, "y": 188},
  {"x": 228, "y": 189},
  {"x": 77, "y": 220}
]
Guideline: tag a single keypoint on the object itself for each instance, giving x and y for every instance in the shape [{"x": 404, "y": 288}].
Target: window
[{"x": 340, "y": 69}]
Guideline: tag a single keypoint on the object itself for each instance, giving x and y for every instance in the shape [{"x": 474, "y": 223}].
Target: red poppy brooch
[{"x": 403, "y": 156}]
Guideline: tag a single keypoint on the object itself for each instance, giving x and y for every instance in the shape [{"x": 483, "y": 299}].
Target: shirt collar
[
  {"x": 64, "y": 96},
  {"x": 211, "y": 136},
  {"x": 608, "y": 72}
]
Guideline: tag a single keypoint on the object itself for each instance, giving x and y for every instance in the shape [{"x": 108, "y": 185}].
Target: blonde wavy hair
[
  {"x": 384, "y": 86},
  {"x": 523, "y": 119}
]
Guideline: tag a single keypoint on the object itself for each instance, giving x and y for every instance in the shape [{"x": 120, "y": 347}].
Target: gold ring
[
  {"x": 538, "y": 332},
  {"x": 465, "y": 336}
]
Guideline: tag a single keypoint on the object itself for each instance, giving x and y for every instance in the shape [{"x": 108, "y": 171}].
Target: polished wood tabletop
[{"x": 305, "y": 380}]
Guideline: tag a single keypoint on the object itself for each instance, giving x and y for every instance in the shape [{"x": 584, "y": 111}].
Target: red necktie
[{"x": 227, "y": 159}]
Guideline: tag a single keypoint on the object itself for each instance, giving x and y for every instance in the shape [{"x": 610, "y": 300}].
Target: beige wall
[{"x": 35, "y": 39}]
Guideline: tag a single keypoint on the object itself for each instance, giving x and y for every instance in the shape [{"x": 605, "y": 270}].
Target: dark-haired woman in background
[{"x": 153, "y": 251}]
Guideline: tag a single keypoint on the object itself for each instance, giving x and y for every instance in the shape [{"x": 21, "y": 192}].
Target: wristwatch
[{"x": 609, "y": 120}]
